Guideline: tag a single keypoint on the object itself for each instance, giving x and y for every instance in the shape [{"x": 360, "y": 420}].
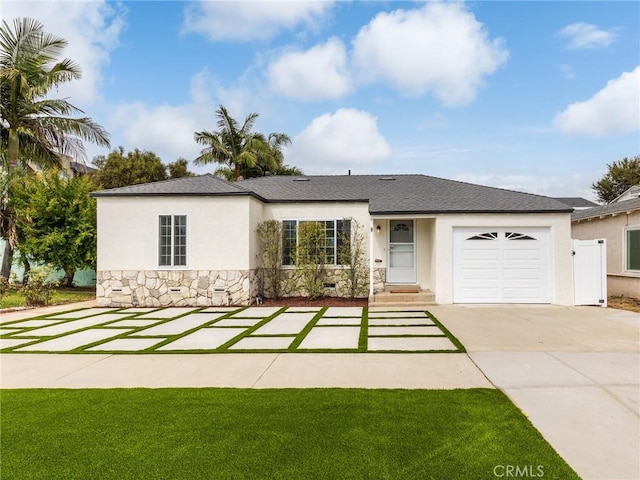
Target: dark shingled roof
[
  {"x": 386, "y": 194},
  {"x": 577, "y": 202},
  {"x": 198, "y": 185},
  {"x": 612, "y": 208}
]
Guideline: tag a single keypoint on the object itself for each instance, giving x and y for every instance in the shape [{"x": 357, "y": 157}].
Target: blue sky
[{"x": 532, "y": 96}]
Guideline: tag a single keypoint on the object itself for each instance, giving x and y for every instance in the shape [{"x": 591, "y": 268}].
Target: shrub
[
  {"x": 5, "y": 286},
  {"x": 352, "y": 255},
  {"x": 311, "y": 258},
  {"x": 39, "y": 287},
  {"x": 269, "y": 235}
]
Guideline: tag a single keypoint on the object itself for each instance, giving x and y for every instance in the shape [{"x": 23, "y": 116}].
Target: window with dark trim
[
  {"x": 172, "y": 247},
  {"x": 336, "y": 231},
  {"x": 633, "y": 249}
]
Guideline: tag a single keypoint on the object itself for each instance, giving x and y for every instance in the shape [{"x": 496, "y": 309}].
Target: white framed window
[
  {"x": 172, "y": 240},
  {"x": 632, "y": 249},
  {"x": 336, "y": 231}
]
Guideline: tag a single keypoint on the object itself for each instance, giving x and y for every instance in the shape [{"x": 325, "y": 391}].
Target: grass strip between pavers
[
  {"x": 138, "y": 332},
  {"x": 268, "y": 434}
]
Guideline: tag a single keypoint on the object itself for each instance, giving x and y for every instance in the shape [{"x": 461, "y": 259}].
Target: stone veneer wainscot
[{"x": 155, "y": 288}]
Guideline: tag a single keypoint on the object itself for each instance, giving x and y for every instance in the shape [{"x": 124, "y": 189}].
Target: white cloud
[
  {"x": 319, "y": 73},
  {"x": 251, "y": 20},
  {"x": 167, "y": 130},
  {"x": 92, "y": 30},
  {"x": 439, "y": 48},
  {"x": 614, "y": 109},
  {"x": 575, "y": 185},
  {"x": 333, "y": 143},
  {"x": 585, "y": 35}
]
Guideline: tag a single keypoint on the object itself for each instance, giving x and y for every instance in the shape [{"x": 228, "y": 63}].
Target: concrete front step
[{"x": 399, "y": 299}]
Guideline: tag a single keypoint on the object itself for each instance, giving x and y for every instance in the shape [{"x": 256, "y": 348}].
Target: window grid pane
[
  {"x": 633, "y": 249},
  {"x": 180, "y": 240},
  {"x": 165, "y": 240},
  {"x": 289, "y": 240}
]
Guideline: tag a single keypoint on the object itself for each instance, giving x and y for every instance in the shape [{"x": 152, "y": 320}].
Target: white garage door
[{"x": 501, "y": 265}]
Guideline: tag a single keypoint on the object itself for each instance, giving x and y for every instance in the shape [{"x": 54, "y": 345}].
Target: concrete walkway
[{"x": 575, "y": 371}]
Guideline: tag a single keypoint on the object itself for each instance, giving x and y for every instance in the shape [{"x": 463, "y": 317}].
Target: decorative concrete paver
[
  {"x": 180, "y": 325},
  {"x": 398, "y": 321},
  {"x": 204, "y": 339},
  {"x": 263, "y": 343},
  {"x": 134, "y": 322},
  {"x": 126, "y": 344},
  {"x": 237, "y": 322},
  {"x": 170, "y": 312},
  {"x": 397, "y": 314},
  {"x": 253, "y": 329},
  {"x": 72, "y": 341},
  {"x": 353, "y": 321},
  {"x": 87, "y": 312},
  {"x": 256, "y": 312},
  {"x": 304, "y": 309},
  {"x": 32, "y": 323},
  {"x": 219, "y": 309},
  {"x": 331, "y": 338},
  {"x": 70, "y": 326},
  {"x": 410, "y": 344},
  {"x": 281, "y": 326},
  {"x": 343, "y": 312},
  {"x": 13, "y": 342},
  {"x": 138, "y": 309},
  {"x": 395, "y": 331}
]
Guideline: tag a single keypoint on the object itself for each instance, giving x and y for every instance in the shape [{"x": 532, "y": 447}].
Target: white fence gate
[{"x": 590, "y": 272}]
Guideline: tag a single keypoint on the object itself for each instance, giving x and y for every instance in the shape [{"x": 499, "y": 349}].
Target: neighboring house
[
  {"x": 577, "y": 203},
  {"x": 187, "y": 241},
  {"x": 618, "y": 223}
]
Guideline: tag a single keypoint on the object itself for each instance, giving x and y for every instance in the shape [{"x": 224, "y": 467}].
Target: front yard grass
[
  {"x": 15, "y": 299},
  {"x": 288, "y": 434}
]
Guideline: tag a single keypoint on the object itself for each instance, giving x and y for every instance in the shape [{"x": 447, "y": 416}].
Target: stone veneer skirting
[
  {"x": 178, "y": 288},
  {"x": 198, "y": 288}
]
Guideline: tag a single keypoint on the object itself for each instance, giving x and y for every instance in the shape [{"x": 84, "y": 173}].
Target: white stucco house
[
  {"x": 619, "y": 224},
  {"x": 188, "y": 241}
]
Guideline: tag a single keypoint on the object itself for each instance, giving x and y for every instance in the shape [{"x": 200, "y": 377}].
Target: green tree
[
  {"x": 120, "y": 170},
  {"x": 620, "y": 176},
  {"x": 33, "y": 127},
  {"x": 239, "y": 150},
  {"x": 56, "y": 221},
  {"x": 179, "y": 169}
]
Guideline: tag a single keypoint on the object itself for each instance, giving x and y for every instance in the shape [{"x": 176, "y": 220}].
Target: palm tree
[
  {"x": 240, "y": 151},
  {"x": 33, "y": 128},
  {"x": 37, "y": 128}
]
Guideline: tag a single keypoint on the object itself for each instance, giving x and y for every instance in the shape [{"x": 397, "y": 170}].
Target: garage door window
[
  {"x": 485, "y": 236},
  {"x": 633, "y": 250}
]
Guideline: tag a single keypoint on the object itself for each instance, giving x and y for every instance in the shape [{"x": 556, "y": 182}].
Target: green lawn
[
  {"x": 271, "y": 434},
  {"x": 15, "y": 299}
]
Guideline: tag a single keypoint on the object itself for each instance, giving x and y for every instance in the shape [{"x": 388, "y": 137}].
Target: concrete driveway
[{"x": 575, "y": 371}]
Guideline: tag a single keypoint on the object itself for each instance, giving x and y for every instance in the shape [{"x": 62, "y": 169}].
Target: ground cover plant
[
  {"x": 15, "y": 298},
  {"x": 237, "y": 433}
]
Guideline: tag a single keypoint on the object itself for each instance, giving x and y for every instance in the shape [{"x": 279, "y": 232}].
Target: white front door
[{"x": 402, "y": 254}]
